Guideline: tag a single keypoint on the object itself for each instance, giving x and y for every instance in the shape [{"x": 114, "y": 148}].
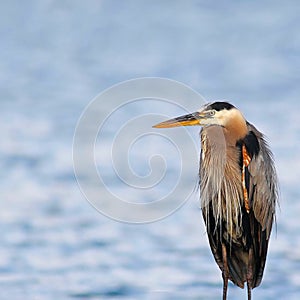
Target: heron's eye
[{"x": 212, "y": 112}]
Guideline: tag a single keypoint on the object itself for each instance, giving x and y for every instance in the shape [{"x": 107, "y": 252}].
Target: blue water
[{"x": 56, "y": 56}]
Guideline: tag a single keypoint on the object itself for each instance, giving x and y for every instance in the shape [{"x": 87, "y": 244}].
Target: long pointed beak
[{"x": 186, "y": 120}]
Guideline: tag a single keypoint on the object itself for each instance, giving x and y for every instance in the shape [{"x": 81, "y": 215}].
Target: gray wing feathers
[{"x": 263, "y": 184}]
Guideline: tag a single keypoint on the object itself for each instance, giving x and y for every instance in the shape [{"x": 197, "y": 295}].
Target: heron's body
[{"x": 238, "y": 188}]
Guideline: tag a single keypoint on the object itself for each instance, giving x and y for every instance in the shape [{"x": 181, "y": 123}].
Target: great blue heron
[{"x": 238, "y": 190}]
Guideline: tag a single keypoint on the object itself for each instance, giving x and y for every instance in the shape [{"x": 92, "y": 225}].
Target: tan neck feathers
[{"x": 235, "y": 124}]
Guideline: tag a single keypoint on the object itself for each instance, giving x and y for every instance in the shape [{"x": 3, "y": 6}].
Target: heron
[{"x": 238, "y": 191}]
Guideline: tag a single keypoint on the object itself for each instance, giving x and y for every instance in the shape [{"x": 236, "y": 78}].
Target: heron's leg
[
  {"x": 250, "y": 273},
  {"x": 249, "y": 290},
  {"x": 225, "y": 272}
]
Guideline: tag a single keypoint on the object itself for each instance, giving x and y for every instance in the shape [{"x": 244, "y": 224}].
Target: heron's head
[{"x": 217, "y": 113}]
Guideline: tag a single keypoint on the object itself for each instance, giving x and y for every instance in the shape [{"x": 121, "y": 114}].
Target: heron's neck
[{"x": 236, "y": 126}]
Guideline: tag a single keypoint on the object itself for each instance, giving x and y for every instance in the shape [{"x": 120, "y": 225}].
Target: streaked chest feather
[{"x": 220, "y": 180}]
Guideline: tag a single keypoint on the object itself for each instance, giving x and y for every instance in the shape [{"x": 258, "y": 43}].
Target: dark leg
[
  {"x": 249, "y": 290},
  {"x": 250, "y": 273},
  {"x": 225, "y": 273},
  {"x": 225, "y": 285}
]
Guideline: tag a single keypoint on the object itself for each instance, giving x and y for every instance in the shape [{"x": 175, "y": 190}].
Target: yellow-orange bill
[{"x": 186, "y": 120}]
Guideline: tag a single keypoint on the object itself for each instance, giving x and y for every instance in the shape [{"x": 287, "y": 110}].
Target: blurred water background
[{"x": 56, "y": 56}]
